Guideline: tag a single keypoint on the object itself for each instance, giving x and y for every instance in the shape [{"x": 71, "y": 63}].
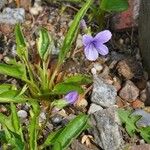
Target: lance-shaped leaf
[
  {"x": 45, "y": 44},
  {"x": 72, "y": 32},
  {"x": 114, "y": 5},
  {"x": 17, "y": 71},
  {"x": 21, "y": 44},
  {"x": 72, "y": 130},
  {"x": 63, "y": 88},
  {"x": 34, "y": 125},
  {"x": 12, "y": 96},
  {"x": 6, "y": 87},
  {"x": 78, "y": 79}
]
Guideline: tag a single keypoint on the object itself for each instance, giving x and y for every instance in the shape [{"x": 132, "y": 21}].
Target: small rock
[
  {"x": 120, "y": 102},
  {"x": 145, "y": 119},
  {"x": 106, "y": 129},
  {"x": 103, "y": 94},
  {"x": 98, "y": 67},
  {"x": 76, "y": 145},
  {"x": 57, "y": 119},
  {"x": 22, "y": 114},
  {"x": 36, "y": 9},
  {"x": 129, "y": 92},
  {"x": 143, "y": 95},
  {"x": 139, "y": 147},
  {"x": 130, "y": 68},
  {"x": 93, "y": 71},
  {"x": 93, "y": 108},
  {"x": 82, "y": 103},
  {"x": 137, "y": 104},
  {"x": 12, "y": 16},
  {"x": 2, "y": 3}
]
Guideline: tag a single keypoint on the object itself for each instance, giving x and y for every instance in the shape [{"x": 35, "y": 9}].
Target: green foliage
[
  {"x": 114, "y": 5},
  {"x": 17, "y": 71},
  {"x": 78, "y": 79},
  {"x": 130, "y": 124},
  {"x": 38, "y": 84},
  {"x": 73, "y": 30},
  {"x": 64, "y": 88},
  {"x": 44, "y": 42},
  {"x": 21, "y": 44},
  {"x": 62, "y": 138},
  {"x": 12, "y": 131},
  {"x": 34, "y": 125}
]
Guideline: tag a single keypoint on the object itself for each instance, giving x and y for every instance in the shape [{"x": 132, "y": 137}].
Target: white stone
[
  {"x": 98, "y": 67},
  {"x": 22, "y": 114},
  {"x": 93, "y": 71}
]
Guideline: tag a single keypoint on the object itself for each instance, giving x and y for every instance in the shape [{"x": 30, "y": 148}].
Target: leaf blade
[{"x": 72, "y": 32}]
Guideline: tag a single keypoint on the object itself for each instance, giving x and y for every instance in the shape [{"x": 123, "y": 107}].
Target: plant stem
[{"x": 53, "y": 76}]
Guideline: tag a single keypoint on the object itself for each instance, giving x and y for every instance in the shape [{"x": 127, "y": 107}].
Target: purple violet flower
[
  {"x": 71, "y": 97},
  {"x": 95, "y": 45}
]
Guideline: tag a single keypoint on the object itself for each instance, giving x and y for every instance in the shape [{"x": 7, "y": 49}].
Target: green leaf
[
  {"x": 72, "y": 32},
  {"x": 3, "y": 137},
  {"x": 6, "y": 87},
  {"x": 78, "y": 79},
  {"x": 72, "y": 130},
  {"x": 13, "y": 71},
  {"x": 12, "y": 96},
  {"x": 128, "y": 120},
  {"x": 16, "y": 121},
  {"x": 145, "y": 133},
  {"x": 16, "y": 141},
  {"x": 51, "y": 139},
  {"x": 43, "y": 44},
  {"x": 114, "y": 5},
  {"x": 34, "y": 125},
  {"x": 21, "y": 44},
  {"x": 57, "y": 146},
  {"x": 63, "y": 88}
]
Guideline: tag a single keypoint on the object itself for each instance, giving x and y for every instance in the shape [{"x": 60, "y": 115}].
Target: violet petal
[
  {"x": 102, "y": 49},
  {"x": 87, "y": 39},
  {"x": 71, "y": 97},
  {"x": 103, "y": 36},
  {"x": 90, "y": 52}
]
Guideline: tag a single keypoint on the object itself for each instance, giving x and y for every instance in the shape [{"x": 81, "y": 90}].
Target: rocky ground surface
[{"x": 119, "y": 79}]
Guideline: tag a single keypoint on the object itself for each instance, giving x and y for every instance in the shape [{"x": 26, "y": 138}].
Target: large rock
[
  {"x": 103, "y": 94},
  {"x": 106, "y": 130},
  {"x": 12, "y": 16}
]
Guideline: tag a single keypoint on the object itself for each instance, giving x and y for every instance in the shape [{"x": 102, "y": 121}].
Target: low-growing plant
[
  {"x": 130, "y": 121},
  {"x": 39, "y": 84}
]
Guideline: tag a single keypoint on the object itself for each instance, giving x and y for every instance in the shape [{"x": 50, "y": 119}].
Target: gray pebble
[{"x": 22, "y": 114}]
